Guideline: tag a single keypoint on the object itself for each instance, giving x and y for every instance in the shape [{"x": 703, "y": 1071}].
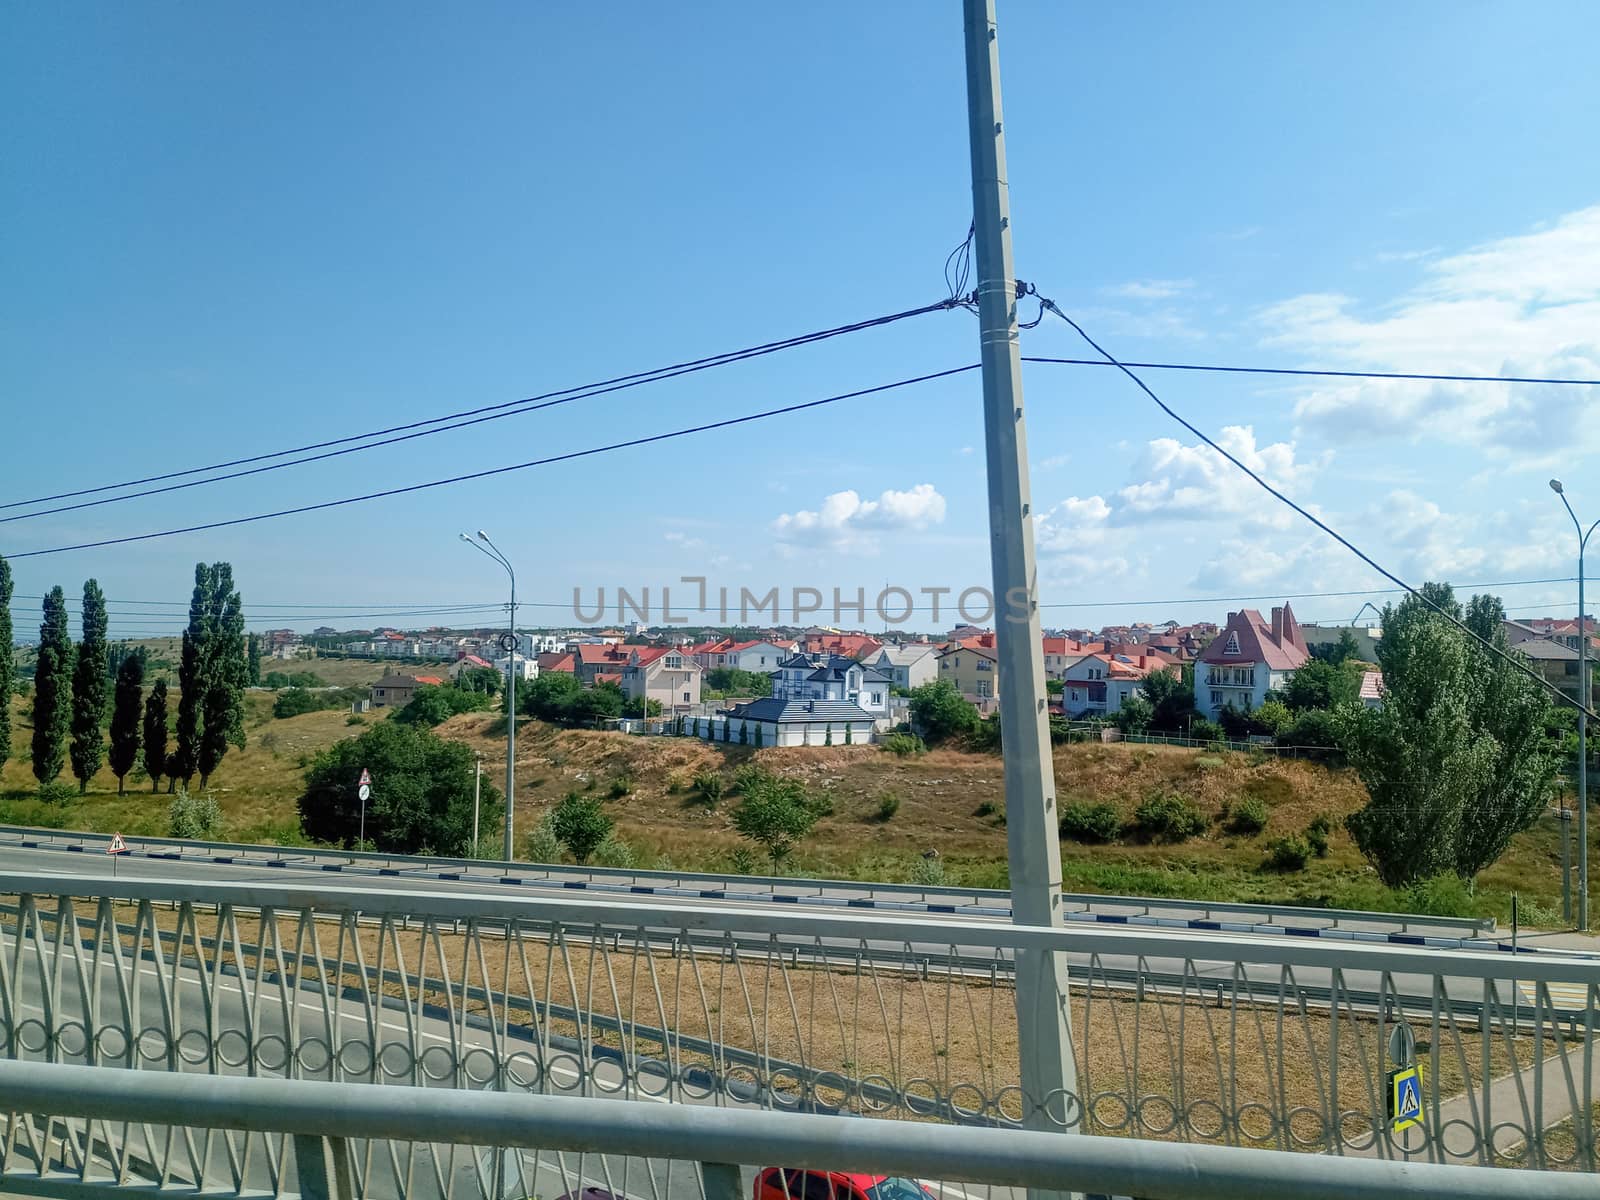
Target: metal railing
[
  {"x": 344, "y": 1141},
  {"x": 981, "y": 902},
  {"x": 1180, "y": 1036}
]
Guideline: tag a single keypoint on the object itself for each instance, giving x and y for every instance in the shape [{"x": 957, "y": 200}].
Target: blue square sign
[{"x": 1405, "y": 1098}]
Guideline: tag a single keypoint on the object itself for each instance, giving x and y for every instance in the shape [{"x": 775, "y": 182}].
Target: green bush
[
  {"x": 708, "y": 786},
  {"x": 904, "y": 745},
  {"x": 432, "y": 705},
  {"x": 614, "y": 852},
  {"x": 1202, "y": 730},
  {"x": 1317, "y": 834},
  {"x": 1289, "y": 853},
  {"x": 928, "y": 870},
  {"x": 1249, "y": 817},
  {"x": 888, "y": 805},
  {"x": 749, "y": 777},
  {"x": 1314, "y": 728},
  {"x": 542, "y": 845},
  {"x": 1167, "y": 817},
  {"x": 57, "y": 791},
  {"x": 1092, "y": 823},
  {"x": 819, "y": 804},
  {"x": 581, "y": 824},
  {"x": 194, "y": 818},
  {"x": 1442, "y": 896},
  {"x": 990, "y": 808},
  {"x": 621, "y": 786}
]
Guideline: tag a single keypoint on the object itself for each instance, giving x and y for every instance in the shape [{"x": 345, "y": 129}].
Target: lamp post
[
  {"x": 491, "y": 551},
  {"x": 1584, "y": 698}
]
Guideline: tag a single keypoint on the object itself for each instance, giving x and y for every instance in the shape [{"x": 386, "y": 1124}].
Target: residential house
[
  {"x": 909, "y": 665},
  {"x": 804, "y": 677},
  {"x": 393, "y": 691},
  {"x": 596, "y": 658},
  {"x": 564, "y": 662},
  {"x": 664, "y": 675},
  {"x": 761, "y": 657},
  {"x": 1098, "y": 684},
  {"x": 859, "y": 646},
  {"x": 1248, "y": 659},
  {"x": 1372, "y": 689},
  {"x": 973, "y": 668},
  {"x": 775, "y": 721},
  {"x": 1058, "y": 652},
  {"x": 1366, "y": 638},
  {"x": 526, "y": 668},
  {"x": 1555, "y": 661}
]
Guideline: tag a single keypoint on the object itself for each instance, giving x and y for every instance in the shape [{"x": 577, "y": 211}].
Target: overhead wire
[
  {"x": 1233, "y": 370},
  {"x": 651, "y": 439},
  {"x": 1282, "y": 498},
  {"x": 451, "y": 421}
]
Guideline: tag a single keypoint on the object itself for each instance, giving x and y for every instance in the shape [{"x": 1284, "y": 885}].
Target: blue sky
[{"x": 232, "y": 230}]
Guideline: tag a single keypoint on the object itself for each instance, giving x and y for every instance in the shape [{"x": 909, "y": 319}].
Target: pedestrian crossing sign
[{"x": 1405, "y": 1098}]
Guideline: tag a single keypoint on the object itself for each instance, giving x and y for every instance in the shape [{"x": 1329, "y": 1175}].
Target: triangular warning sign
[
  {"x": 118, "y": 846},
  {"x": 366, "y": 780}
]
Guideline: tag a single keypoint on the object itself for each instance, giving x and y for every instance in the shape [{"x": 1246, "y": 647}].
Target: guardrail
[
  {"x": 982, "y": 902},
  {"x": 348, "y": 1140},
  {"x": 1191, "y": 1036}
]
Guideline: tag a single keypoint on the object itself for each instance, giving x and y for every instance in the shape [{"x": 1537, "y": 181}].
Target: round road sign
[
  {"x": 508, "y": 642},
  {"x": 364, "y": 791}
]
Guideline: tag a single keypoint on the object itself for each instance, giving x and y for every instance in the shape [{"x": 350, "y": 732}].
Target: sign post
[
  {"x": 363, "y": 790},
  {"x": 117, "y": 848}
]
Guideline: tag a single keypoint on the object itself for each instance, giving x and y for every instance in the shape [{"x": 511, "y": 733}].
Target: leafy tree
[
  {"x": 481, "y": 679},
  {"x": 632, "y": 707},
  {"x": 293, "y": 701},
  {"x": 125, "y": 717},
  {"x": 1135, "y": 714},
  {"x": 774, "y": 814},
  {"x": 731, "y": 681},
  {"x": 89, "y": 688},
  {"x": 52, "y": 695},
  {"x": 253, "y": 660},
  {"x": 1338, "y": 653},
  {"x": 430, "y": 705},
  {"x": 581, "y": 824},
  {"x": 1314, "y": 728},
  {"x": 602, "y": 701},
  {"x": 277, "y": 680},
  {"x": 550, "y": 696},
  {"x": 192, "y": 682},
  {"x": 1055, "y": 686},
  {"x": 1171, "y": 698},
  {"x": 155, "y": 733},
  {"x": 940, "y": 712},
  {"x": 6, "y": 660},
  {"x": 222, "y": 721},
  {"x": 1321, "y": 684},
  {"x": 421, "y": 792},
  {"x": 1272, "y": 718}
]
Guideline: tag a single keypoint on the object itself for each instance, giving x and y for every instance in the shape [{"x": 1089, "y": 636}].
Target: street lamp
[
  {"x": 509, "y": 644},
  {"x": 1584, "y": 699}
]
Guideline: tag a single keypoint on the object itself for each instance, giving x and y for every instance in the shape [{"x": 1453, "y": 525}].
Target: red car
[{"x": 777, "y": 1183}]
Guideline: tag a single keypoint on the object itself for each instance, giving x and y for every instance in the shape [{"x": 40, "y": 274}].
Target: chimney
[{"x": 1277, "y": 625}]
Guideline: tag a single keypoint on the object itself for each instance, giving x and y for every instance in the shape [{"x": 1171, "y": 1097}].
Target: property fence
[
  {"x": 76, "y": 1130},
  {"x": 1192, "y": 1036}
]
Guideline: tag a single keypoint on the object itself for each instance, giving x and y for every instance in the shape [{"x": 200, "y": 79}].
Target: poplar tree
[
  {"x": 222, "y": 716},
  {"x": 52, "y": 690},
  {"x": 155, "y": 733},
  {"x": 192, "y": 682},
  {"x": 5, "y": 661},
  {"x": 253, "y": 660},
  {"x": 125, "y": 716},
  {"x": 89, "y": 689}
]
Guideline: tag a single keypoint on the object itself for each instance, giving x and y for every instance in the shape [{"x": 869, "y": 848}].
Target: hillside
[{"x": 949, "y": 801}]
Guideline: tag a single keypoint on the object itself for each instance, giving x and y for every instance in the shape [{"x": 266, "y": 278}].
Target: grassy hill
[{"x": 949, "y": 801}]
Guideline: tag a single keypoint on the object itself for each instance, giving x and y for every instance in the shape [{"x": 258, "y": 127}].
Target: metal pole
[
  {"x": 508, "y": 852},
  {"x": 1566, "y": 867},
  {"x": 1049, "y": 1072},
  {"x": 477, "y": 788},
  {"x": 361, "y": 838},
  {"x": 1583, "y": 753}
]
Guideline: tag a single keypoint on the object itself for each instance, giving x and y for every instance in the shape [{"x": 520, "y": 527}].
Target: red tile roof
[
  {"x": 557, "y": 662},
  {"x": 1276, "y": 643},
  {"x": 434, "y": 680},
  {"x": 608, "y": 677}
]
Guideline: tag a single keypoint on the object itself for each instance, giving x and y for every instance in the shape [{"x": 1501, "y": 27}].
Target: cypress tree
[
  {"x": 155, "y": 733},
  {"x": 192, "y": 682},
  {"x": 52, "y": 690},
  {"x": 89, "y": 689},
  {"x": 5, "y": 661},
  {"x": 125, "y": 717},
  {"x": 222, "y": 718},
  {"x": 253, "y": 659}
]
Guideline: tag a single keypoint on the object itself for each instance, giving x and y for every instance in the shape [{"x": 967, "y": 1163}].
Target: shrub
[
  {"x": 355, "y": 719},
  {"x": 1442, "y": 896},
  {"x": 708, "y": 786},
  {"x": 741, "y": 861},
  {"x": 581, "y": 824},
  {"x": 986, "y": 808},
  {"x": 820, "y": 804},
  {"x": 888, "y": 805},
  {"x": 1092, "y": 823},
  {"x": 57, "y": 791},
  {"x": 1317, "y": 834},
  {"x": 614, "y": 852},
  {"x": 1314, "y": 728},
  {"x": 1202, "y": 730},
  {"x": 904, "y": 745},
  {"x": 1289, "y": 854},
  {"x": 928, "y": 871},
  {"x": 1249, "y": 817},
  {"x": 292, "y": 702},
  {"x": 542, "y": 845},
  {"x": 749, "y": 777},
  {"x": 195, "y": 818},
  {"x": 776, "y": 816},
  {"x": 621, "y": 786},
  {"x": 1166, "y": 817}
]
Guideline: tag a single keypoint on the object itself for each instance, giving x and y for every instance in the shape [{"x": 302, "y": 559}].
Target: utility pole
[
  {"x": 1585, "y": 698},
  {"x": 1049, "y": 1071},
  {"x": 477, "y": 789}
]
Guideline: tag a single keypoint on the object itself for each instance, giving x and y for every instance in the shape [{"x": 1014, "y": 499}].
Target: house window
[
  {"x": 1216, "y": 699},
  {"x": 1572, "y": 669},
  {"x": 1233, "y": 644},
  {"x": 686, "y": 697},
  {"x": 983, "y": 688},
  {"x": 674, "y": 662},
  {"x": 874, "y": 698}
]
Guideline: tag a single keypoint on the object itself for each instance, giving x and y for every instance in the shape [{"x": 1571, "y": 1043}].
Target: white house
[
  {"x": 1248, "y": 659},
  {"x": 802, "y": 677},
  {"x": 907, "y": 666},
  {"x": 774, "y": 722}
]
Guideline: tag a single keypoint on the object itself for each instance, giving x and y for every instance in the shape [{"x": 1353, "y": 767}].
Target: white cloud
[
  {"x": 1527, "y": 305},
  {"x": 846, "y": 521},
  {"x": 1151, "y": 289},
  {"x": 1074, "y": 536},
  {"x": 1054, "y": 461},
  {"x": 1183, "y": 482},
  {"x": 965, "y": 450},
  {"x": 682, "y": 540}
]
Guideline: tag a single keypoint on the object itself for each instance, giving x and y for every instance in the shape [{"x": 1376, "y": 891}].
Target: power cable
[
  {"x": 509, "y": 408},
  {"x": 538, "y": 462},
  {"x": 1319, "y": 523},
  {"x": 1167, "y": 366}
]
